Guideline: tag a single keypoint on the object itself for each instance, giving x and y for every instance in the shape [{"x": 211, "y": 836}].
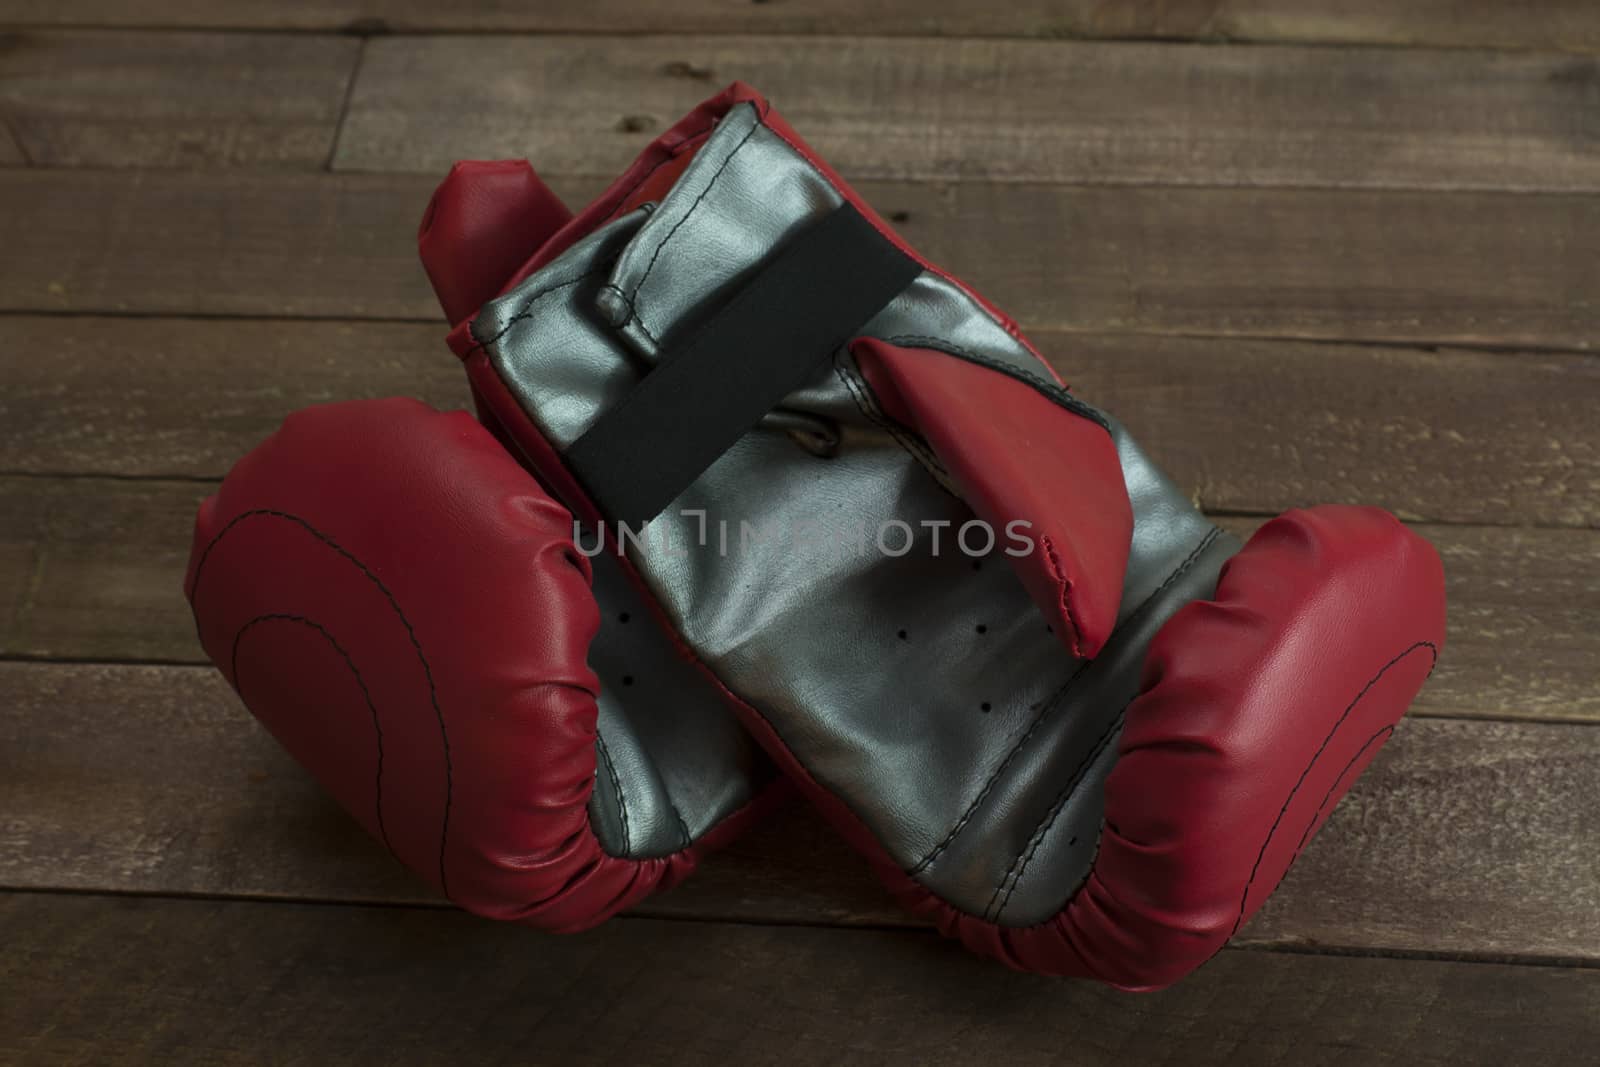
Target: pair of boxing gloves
[{"x": 756, "y": 493}]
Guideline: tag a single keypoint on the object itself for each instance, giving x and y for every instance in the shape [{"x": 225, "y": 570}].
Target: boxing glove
[
  {"x": 404, "y": 609},
  {"x": 1062, "y": 714}
]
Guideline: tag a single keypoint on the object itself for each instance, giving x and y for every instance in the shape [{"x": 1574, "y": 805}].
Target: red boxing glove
[
  {"x": 1093, "y": 754},
  {"x": 402, "y": 606}
]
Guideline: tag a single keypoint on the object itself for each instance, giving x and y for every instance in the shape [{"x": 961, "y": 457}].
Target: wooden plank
[
  {"x": 185, "y": 398},
  {"x": 1244, "y": 425},
  {"x": 94, "y": 981},
  {"x": 153, "y": 780},
  {"x": 94, "y": 569},
  {"x": 1551, "y": 24},
  {"x": 174, "y": 99},
  {"x": 11, "y": 152},
  {"x": 956, "y": 110},
  {"x": 1442, "y": 434},
  {"x": 1474, "y": 268},
  {"x": 231, "y": 243}
]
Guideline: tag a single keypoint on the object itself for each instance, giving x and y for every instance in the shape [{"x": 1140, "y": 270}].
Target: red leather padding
[
  {"x": 1257, "y": 711},
  {"x": 402, "y": 607},
  {"x": 482, "y": 223},
  {"x": 990, "y": 432}
]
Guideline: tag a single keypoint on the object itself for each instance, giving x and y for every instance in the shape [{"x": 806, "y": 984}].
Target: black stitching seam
[
  {"x": 616, "y": 787},
  {"x": 1054, "y": 702},
  {"x": 914, "y": 446},
  {"x": 611, "y": 216},
  {"x": 377, "y": 728},
  {"x": 1244, "y": 898},
  {"x": 647, "y": 175},
  {"x": 523, "y": 312},
  {"x": 1060, "y": 575},
  {"x": 1305, "y": 835},
  {"x": 433, "y": 695},
  {"x": 1019, "y": 865},
  {"x": 633, "y": 298},
  {"x": 1051, "y": 391}
]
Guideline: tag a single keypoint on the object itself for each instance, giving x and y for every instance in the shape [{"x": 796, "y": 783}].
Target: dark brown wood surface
[
  {"x": 196, "y": 799},
  {"x": 1353, "y": 261},
  {"x": 237, "y": 983},
  {"x": 1559, "y": 25},
  {"x": 1488, "y": 269},
  {"x": 1245, "y": 425},
  {"x": 940, "y": 110},
  {"x": 102, "y": 99}
]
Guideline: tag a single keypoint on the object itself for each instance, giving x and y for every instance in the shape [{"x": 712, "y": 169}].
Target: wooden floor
[{"x": 1307, "y": 252}]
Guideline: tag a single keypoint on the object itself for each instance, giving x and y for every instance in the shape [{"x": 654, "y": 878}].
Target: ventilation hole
[
  {"x": 903, "y": 635},
  {"x": 627, "y": 679},
  {"x": 982, "y": 629},
  {"x": 901, "y": 216},
  {"x": 985, "y": 706},
  {"x": 977, "y": 564},
  {"x": 1049, "y": 629},
  {"x": 623, "y": 617}
]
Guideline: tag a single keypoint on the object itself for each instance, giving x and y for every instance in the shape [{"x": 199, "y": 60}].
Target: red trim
[
  {"x": 484, "y": 219},
  {"x": 1077, "y": 511}
]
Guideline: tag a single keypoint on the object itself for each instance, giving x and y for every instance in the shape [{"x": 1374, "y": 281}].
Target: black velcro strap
[{"x": 817, "y": 293}]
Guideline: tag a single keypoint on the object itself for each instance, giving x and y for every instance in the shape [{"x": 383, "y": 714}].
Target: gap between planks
[{"x": 190, "y": 796}]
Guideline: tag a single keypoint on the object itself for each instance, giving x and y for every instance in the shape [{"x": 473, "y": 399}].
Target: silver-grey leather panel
[
  {"x": 671, "y": 761},
  {"x": 923, "y": 688}
]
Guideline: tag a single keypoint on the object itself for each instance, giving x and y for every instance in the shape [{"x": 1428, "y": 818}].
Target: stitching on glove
[
  {"x": 914, "y": 446},
  {"x": 654, "y": 256},
  {"x": 1019, "y": 865},
  {"x": 616, "y": 786},
  {"x": 1060, "y": 576},
  {"x": 433, "y": 695},
  {"x": 1053, "y": 703},
  {"x": 1052, "y": 391},
  {"x": 647, "y": 175},
  {"x": 524, "y": 313},
  {"x": 1244, "y": 898},
  {"x": 377, "y": 728},
  {"x": 1305, "y": 835}
]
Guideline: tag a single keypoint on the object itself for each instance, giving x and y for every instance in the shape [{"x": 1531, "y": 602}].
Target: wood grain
[
  {"x": 94, "y": 569},
  {"x": 948, "y": 110},
  {"x": 1464, "y": 837},
  {"x": 136, "y": 981},
  {"x": 174, "y": 99},
  {"x": 1552, "y": 24},
  {"x": 185, "y": 398},
  {"x": 1477, "y": 268},
  {"x": 11, "y": 152},
  {"x": 1448, "y": 435},
  {"x": 1434, "y": 435}
]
